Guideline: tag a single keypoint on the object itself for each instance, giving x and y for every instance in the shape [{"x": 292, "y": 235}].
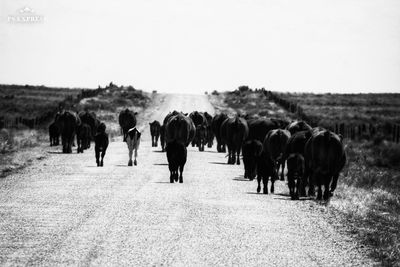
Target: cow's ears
[
  {"x": 149, "y": 123},
  {"x": 185, "y": 114},
  {"x": 135, "y": 113}
]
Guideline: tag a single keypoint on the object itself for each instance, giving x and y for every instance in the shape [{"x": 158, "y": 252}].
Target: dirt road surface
[{"x": 66, "y": 211}]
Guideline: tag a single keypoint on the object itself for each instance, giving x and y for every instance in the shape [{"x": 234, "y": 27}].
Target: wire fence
[{"x": 352, "y": 130}]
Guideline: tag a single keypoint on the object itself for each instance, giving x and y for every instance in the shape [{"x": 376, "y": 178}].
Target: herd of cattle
[
  {"x": 86, "y": 127},
  {"x": 314, "y": 156}
]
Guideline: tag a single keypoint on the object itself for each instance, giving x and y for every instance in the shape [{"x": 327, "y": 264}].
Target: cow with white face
[{"x": 132, "y": 140}]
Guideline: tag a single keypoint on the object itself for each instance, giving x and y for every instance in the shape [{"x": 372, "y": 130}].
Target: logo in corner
[{"x": 25, "y": 15}]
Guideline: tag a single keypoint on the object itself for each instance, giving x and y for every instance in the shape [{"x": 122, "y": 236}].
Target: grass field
[
  {"x": 248, "y": 103},
  {"x": 32, "y": 101},
  {"x": 350, "y": 108},
  {"x": 367, "y": 201}
]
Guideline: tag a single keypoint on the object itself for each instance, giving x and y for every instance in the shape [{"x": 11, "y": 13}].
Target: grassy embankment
[{"x": 367, "y": 200}]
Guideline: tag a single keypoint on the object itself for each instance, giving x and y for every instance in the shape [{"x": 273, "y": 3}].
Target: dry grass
[
  {"x": 248, "y": 102},
  {"x": 349, "y": 108},
  {"x": 20, "y": 148},
  {"x": 373, "y": 216},
  {"x": 31, "y": 101}
]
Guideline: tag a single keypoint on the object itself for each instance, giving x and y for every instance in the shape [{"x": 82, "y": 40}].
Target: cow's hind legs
[
  {"x": 103, "y": 153},
  {"x": 259, "y": 183},
  {"x": 327, "y": 193},
  {"x": 272, "y": 185},
  {"x": 319, "y": 185},
  {"x": 130, "y": 156},
  {"x": 334, "y": 183},
  {"x": 135, "y": 162},
  {"x": 180, "y": 175},
  {"x": 283, "y": 168},
  {"x": 238, "y": 157},
  {"x": 291, "y": 185},
  {"x": 97, "y": 157},
  {"x": 265, "y": 182}
]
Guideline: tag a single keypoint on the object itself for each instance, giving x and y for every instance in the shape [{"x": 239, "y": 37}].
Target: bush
[
  {"x": 386, "y": 155},
  {"x": 244, "y": 88}
]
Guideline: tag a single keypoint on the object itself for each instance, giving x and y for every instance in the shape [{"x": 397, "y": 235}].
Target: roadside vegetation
[{"x": 367, "y": 200}]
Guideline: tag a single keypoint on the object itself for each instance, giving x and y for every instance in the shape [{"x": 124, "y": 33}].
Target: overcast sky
[{"x": 197, "y": 46}]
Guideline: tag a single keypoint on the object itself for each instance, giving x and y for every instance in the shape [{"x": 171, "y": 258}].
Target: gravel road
[{"x": 66, "y": 211}]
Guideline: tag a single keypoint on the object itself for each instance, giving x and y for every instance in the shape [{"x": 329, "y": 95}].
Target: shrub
[{"x": 386, "y": 155}]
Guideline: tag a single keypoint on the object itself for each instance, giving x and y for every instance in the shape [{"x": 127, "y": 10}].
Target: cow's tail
[{"x": 327, "y": 165}]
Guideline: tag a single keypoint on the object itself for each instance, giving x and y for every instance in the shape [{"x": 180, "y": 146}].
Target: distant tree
[
  {"x": 244, "y": 88},
  {"x": 215, "y": 92}
]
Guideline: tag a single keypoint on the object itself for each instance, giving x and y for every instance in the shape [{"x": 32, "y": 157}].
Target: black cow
[
  {"x": 325, "y": 158},
  {"x": 295, "y": 166},
  {"x": 297, "y": 126},
  {"x": 127, "y": 120},
  {"x": 180, "y": 131},
  {"x": 101, "y": 144},
  {"x": 90, "y": 119},
  {"x": 162, "y": 128},
  {"x": 155, "y": 132},
  {"x": 234, "y": 132},
  {"x": 200, "y": 123},
  {"x": 162, "y": 137},
  {"x": 251, "y": 152},
  {"x": 265, "y": 171},
  {"x": 216, "y": 128},
  {"x": 210, "y": 134},
  {"x": 201, "y": 136},
  {"x": 295, "y": 146},
  {"x": 176, "y": 155},
  {"x": 54, "y": 133},
  {"x": 280, "y": 123},
  {"x": 67, "y": 122},
  {"x": 275, "y": 146},
  {"x": 83, "y": 136},
  {"x": 258, "y": 128}
]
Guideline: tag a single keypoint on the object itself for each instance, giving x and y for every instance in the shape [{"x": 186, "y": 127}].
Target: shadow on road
[
  {"x": 289, "y": 199},
  {"x": 162, "y": 182},
  {"x": 209, "y": 151},
  {"x": 255, "y": 193},
  {"x": 220, "y": 163},
  {"x": 282, "y": 194},
  {"x": 241, "y": 179},
  {"x": 158, "y": 151},
  {"x": 161, "y": 164},
  {"x": 57, "y": 152}
]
